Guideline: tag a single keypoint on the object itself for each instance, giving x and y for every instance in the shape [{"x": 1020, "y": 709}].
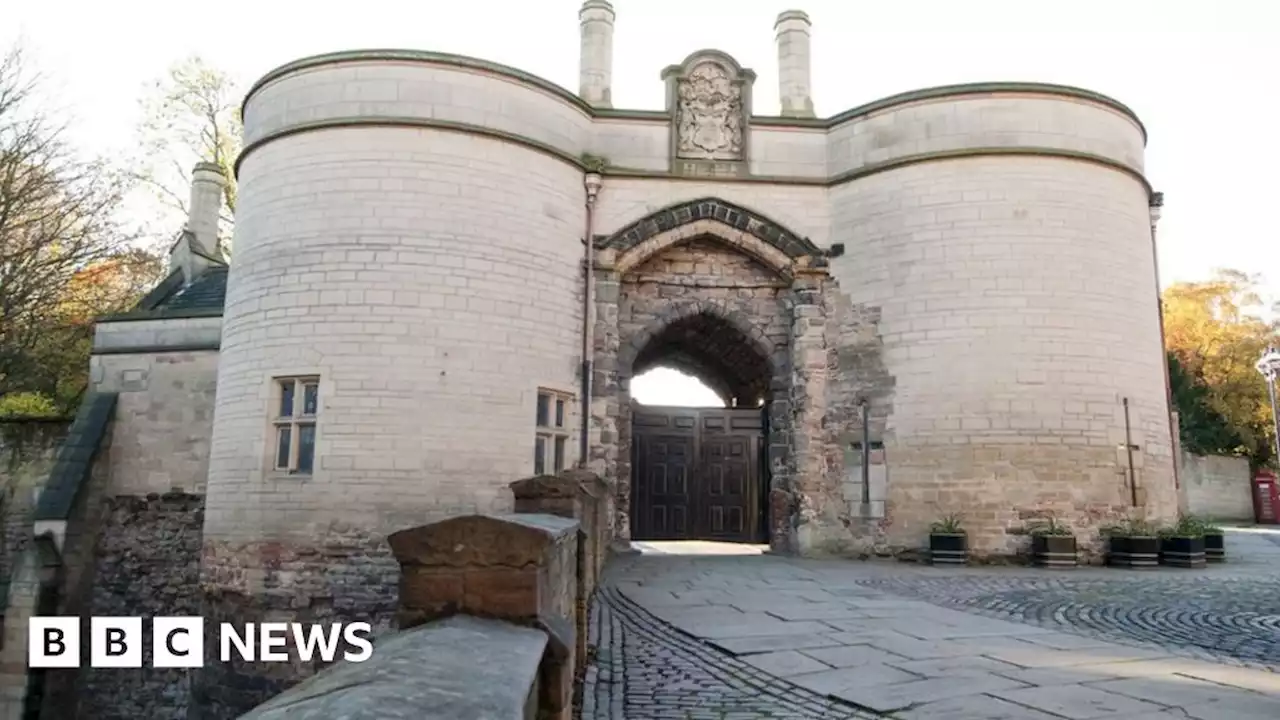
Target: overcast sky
[{"x": 1200, "y": 73}]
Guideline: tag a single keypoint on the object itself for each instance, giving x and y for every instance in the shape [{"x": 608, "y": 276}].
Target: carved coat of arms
[{"x": 709, "y": 114}]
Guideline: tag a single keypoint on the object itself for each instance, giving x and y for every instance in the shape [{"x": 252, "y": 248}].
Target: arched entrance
[
  {"x": 702, "y": 472},
  {"x": 713, "y": 290}
]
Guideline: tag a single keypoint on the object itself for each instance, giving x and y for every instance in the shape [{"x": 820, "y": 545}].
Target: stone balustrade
[{"x": 492, "y": 616}]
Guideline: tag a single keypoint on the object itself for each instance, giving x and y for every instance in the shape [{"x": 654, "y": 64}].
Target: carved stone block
[
  {"x": 518, "y": 568},
  {"x": 709, "y": 98}
]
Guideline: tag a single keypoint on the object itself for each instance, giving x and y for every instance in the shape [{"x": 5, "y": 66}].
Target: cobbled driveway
[{"x": 723, "y": 637}]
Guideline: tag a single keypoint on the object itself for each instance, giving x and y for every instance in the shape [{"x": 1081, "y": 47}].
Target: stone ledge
[{"x": 460, "y": 667}]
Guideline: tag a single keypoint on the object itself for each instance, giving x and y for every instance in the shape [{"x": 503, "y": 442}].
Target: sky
[{"x": 1199, "y": 73}]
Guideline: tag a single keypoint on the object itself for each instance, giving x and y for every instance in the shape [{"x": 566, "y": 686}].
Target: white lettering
[
  {"x": 366, "y": 647},
  {"x": 307, "y": 642},
  {"x": 273, "y": 636},
  {"x": 243, "y": 644}
]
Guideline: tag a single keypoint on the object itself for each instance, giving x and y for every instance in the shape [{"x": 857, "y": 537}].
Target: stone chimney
[
  {"x": 197, "y": 247},
  {"x": 595, "y": 66},
  {"x": 792, "y": 32},
  {"x": 207, "y": 184}
]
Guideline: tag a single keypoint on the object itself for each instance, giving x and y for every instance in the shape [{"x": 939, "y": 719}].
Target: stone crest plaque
[{"x": 708, "y": 96}]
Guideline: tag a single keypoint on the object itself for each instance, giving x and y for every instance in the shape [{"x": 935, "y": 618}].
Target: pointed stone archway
[{"x": 730, "y": 296}]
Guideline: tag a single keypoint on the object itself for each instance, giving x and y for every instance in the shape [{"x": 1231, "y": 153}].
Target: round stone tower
[
  {"x": 402, "y": 323},
  {"x": 1003, "y": 234}
]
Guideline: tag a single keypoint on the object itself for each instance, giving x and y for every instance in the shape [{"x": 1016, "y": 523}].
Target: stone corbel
[
  {"x": 808, "y": 269},
  {"x": 606, "y": 259}
]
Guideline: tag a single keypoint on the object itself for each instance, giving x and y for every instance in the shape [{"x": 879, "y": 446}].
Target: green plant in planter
[
  {"x": 948, "y": 542},
  {"x": 1053, "y": 545},
  {"x": 948, "y": 525},
  {"x": 1132, "y": 544},
  {"x": 1215, "y": 541},
  {"x": 1182, "y": 544},
  {"x": 1051, "y": 528}
]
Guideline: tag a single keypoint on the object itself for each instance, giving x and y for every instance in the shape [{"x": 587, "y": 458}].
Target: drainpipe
[
  {"x": 1156, "y": 205},
  {"x": 592, "y": 182}
]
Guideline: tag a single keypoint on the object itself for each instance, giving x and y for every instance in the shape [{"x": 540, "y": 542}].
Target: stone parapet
[
  {"x": 517, "y": 568},
  {"x": 583, "y": 496},
  {"x": 460, "y": 667}
]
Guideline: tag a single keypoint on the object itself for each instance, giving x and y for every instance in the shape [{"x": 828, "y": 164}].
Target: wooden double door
[{"x": 696, "y": 474}]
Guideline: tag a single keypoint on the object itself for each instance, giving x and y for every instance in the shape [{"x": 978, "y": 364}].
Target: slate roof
[
  {"x": 75, "y": 458},
  {"x": 208, "y": 292}
]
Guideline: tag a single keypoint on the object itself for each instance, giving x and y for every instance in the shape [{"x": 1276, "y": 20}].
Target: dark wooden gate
[{"x": 696, "y": 473}]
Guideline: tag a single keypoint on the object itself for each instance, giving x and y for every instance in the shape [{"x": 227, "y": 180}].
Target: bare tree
[
  {"x": 56, "y": 221},
  {"x": 191, "y": 115}
]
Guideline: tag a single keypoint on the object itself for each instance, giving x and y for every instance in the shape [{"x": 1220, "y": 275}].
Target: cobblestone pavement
[
  {"x": 647, "y": 669},
  {"x": 1228, "y": 619},
  {"x": 694, "y": 637}
]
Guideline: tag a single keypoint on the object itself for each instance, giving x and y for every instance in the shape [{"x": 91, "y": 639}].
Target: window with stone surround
[
  {"x": 551, "y": 441},
  {"x": 296, "y": 403}
]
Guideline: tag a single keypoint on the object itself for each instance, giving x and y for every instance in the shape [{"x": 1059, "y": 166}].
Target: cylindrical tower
[
  {"x": 402, "y": 326},
  {"x": 595, "y": 65},
  {"x": 1011, "y": 262}
]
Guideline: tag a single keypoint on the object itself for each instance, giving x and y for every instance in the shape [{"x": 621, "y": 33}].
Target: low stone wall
[
  {"x": 1217, "y": 486},
  {"x": 488, "y": 617},
  {"x": 460, "y": 667}
]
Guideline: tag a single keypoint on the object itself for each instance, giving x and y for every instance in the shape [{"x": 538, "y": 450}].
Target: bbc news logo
[{"x": 178, "y": 642}]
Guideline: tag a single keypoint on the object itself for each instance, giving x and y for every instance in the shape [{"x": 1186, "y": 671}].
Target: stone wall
[
  {"x": 519, "y": 572},
  {"x": 702, "y": 306},
  {"x": 1217, "y": 486},
  {"x": 146, "y": 563},
  {"x": 28, "y": 449},
  {"x": 27, "y": 452},
  {"x": 1017, "y": 311},
  {"x": 164, "y": 416},
  {"x": 342, "y": 575},
  {"x": 134, "y": 535}
]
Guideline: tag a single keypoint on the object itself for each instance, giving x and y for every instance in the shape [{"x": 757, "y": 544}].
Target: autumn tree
[
  {"x": 1215, "y": 331},
  {"x": 191, "y": 115},
  {"x": 58, "y": 239}
]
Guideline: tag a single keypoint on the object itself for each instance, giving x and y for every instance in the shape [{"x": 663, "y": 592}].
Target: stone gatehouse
[{"x": 939, "y": 302}]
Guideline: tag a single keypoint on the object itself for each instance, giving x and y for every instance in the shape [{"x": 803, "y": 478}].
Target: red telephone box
[{"x": 1266, "y": 498}]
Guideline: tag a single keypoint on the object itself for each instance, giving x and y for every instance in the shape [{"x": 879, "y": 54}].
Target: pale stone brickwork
[
  {"x": 164, "y": 418},
  {"x": 596, "y": 68},
  {"x": 1018, "y": 311},
  {"x": 948, "y": 124},
  {"x": 429, "y": 280},
  {"x": 792, "y": 35},
  {"x": 974, "y": 264},
  {"x": 1217, "y": 486}
]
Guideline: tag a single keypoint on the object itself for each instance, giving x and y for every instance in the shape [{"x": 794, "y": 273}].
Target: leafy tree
[
  {"x": 1215, "y": 331},
  {"x": 63, "y": 258},
  {"x": 191, "y": 115},
  {"x": 1203, "y": 430}
]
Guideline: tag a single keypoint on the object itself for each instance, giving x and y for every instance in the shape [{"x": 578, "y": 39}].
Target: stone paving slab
[
  {"x": 976, "y": 707},
  {"x": 779, "y": 637},
  {"x": 1077, "y": 702}
]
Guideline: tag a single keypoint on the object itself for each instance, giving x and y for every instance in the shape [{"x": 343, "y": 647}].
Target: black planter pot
[
  {"x": 1053, "y": 551},
  {"x": 1133, "y": 552},
  {"x": 1215, "y": 548},
  {"x": 1183, "y": 552},
  {"x": 948, "y": 549}
]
